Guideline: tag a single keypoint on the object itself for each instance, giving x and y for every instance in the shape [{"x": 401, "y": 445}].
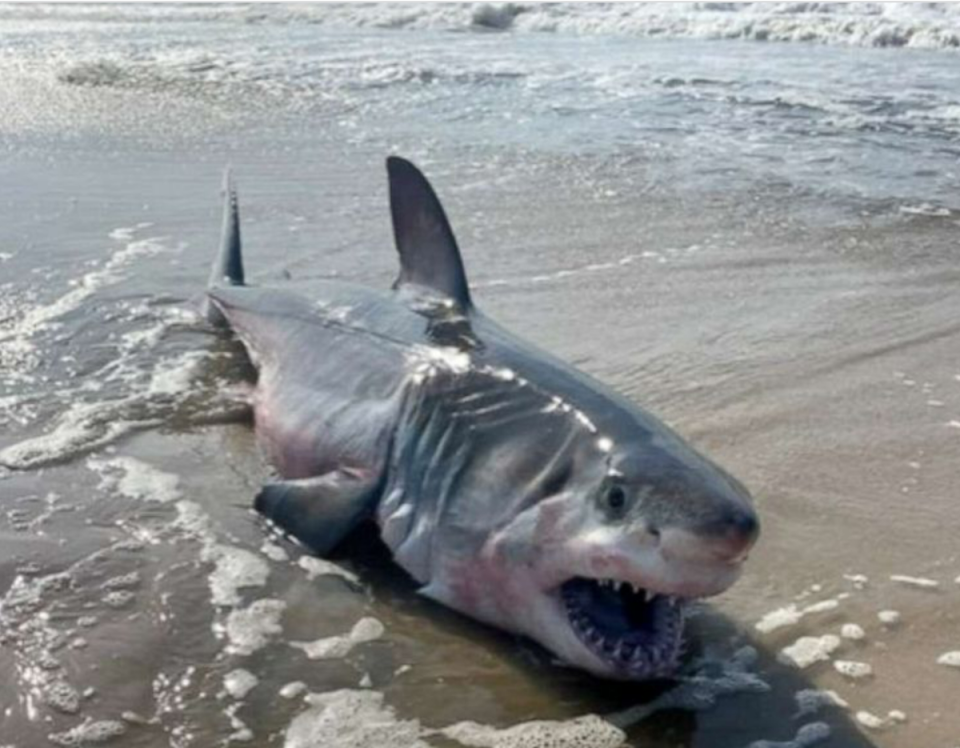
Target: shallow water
[{"x": 757, "y": 242}]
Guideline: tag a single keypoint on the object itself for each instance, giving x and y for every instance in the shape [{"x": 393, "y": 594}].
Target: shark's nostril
[
  {"x": 727, "y": 541},
  {"x": 740, "y": 532}
]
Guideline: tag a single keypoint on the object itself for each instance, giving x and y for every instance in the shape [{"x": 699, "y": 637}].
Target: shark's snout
[{"x": 724, "y": 540}]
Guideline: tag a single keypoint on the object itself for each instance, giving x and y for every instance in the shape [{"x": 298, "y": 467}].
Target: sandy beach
[{"x": 758, "y": 242}]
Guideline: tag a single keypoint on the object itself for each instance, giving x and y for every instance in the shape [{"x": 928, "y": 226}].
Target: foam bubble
[
  {"x": 334, "y": 647},
  {"x": 316, "y": 567},
  {"x": 950, "y": 659},
  {"x": 791, "y": 614},
  {"x": 925, "y": 209},
  {"x": 85, "y": 426},
  {"x": 808, "y": 650},
  {"x": 126, "y": 233},
  {"x": 921, "y": 582},
  {"x": 889, "y": 617},
  {"x": 779, "y": 618},
  {"x": 589, "y": 731},
  {"x": 873, "y": 722},
  {"x": 123, "y": 582},
  {"x": 293, "y": 689},
  {"x": 853, "y": 632},
  {"x": 82, "y": 426},
  {"x": 853, "y": 670},
  {"x": 89, "y": 733},
  {"x": 173, "y": 376},
  {"x": 136, "y": 479},
  {"x": 238, "y": 683},
  {"x": 251, "y": 628},
  {"x": 118, "y": 598},
  {"x": 18, "y": 330},
  {"x": 351, "y": 719},
  {"x": 359, "y": 719},
  {"x": 235, "y": 569},
  {"x": 62, "y": 696},
  {"x": 273, "y": 551},
  {"x": 241, "y": 733}
]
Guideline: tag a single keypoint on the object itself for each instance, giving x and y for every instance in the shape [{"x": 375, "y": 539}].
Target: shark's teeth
[
  {"x": 650, "y": 650},
  {"x": 648, "y": 595},
  {"x": 618, "y": 585}
]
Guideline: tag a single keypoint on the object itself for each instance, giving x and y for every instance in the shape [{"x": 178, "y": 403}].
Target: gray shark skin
[{"x": 511, "y": 486}]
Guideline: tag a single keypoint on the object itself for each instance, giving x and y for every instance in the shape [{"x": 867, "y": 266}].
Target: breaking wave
[{"x": 898, "y": 24}]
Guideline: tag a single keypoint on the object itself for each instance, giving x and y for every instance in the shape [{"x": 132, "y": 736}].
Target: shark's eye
[{"x": 614, "y": 499}]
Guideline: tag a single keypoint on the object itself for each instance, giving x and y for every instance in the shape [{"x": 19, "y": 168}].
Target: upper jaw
[{"x": 645, "y": 568}]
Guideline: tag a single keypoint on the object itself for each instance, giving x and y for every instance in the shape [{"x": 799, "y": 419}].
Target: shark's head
[{"x": 609, "y": 545}]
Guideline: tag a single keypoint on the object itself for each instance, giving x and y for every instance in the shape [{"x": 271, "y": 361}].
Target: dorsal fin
[
  {"x": 228, "y": 268},
  {"x": 429, "y": 255}
]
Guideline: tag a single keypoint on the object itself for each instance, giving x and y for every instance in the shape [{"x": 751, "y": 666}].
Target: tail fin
[{"x": 228, "y": 267}]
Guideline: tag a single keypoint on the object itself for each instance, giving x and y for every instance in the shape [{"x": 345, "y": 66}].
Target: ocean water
[{"x": 745, "y": 217}]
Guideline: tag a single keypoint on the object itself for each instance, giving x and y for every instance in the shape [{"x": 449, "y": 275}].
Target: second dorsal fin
[{"x": 429, "y": 255}]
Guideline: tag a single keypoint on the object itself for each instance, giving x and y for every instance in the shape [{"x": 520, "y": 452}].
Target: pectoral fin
[{"x": 322, "y": 510}]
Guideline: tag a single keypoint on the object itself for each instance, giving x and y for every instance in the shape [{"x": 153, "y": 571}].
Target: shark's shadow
[{"x": 647, "y": 711}]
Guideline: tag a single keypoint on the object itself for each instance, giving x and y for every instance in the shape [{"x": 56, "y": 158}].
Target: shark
[{"x": 509, "y": 485}]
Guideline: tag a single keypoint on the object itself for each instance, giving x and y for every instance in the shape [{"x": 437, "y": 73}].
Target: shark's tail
[{"x": 228, "y": 267}]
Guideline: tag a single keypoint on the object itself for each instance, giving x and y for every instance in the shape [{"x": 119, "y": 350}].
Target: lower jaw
[
  {"x": 645, "y": 653},
  {"x": 656, "y": 661}
]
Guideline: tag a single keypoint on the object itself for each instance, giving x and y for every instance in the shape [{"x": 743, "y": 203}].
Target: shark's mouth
[{"x": 634, "y": 631}]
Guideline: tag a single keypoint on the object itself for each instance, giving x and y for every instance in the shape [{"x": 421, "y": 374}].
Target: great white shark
[{"x": 511, "y": 486}]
